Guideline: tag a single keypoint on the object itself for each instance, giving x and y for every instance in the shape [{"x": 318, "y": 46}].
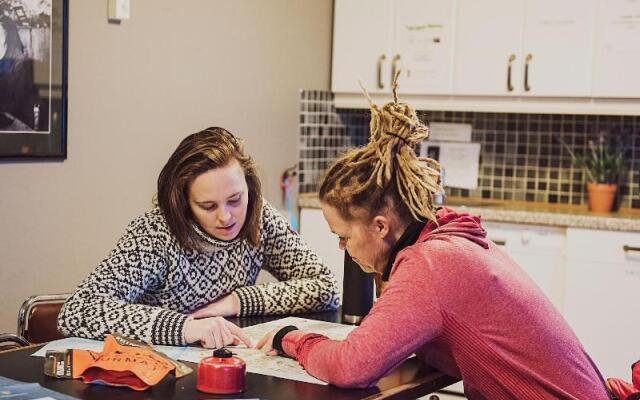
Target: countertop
[{"x": 558, "y": 215}]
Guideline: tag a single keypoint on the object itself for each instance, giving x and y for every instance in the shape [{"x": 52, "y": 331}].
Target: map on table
[
  {"x": 257, "y": 361},
  {"x": 282, "y": 367}
]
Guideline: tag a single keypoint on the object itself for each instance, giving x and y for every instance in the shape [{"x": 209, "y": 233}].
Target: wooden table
[{"x": 410, "y": 380}]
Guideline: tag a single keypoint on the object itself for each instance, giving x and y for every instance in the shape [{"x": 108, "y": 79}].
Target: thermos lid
[{"x": 222, "y": 353}]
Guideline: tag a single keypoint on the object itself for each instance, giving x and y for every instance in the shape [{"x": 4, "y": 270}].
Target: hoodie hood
[
  {"x": 453, "y": 223},
  {"x": 450, "y": 223}
]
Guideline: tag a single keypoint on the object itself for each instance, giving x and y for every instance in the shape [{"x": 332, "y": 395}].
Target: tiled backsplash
[{"x": 520, "y": 155}]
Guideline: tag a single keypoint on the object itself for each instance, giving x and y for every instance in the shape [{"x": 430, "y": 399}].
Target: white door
[
  {"x": 617, "y": 51},
  {"x": 316, "y": 232},
  {"x": 362, "y": 37},
  {"x": 489, "y": 34},
  {"x": 423, "y": 45},
  {"x": 601, "y": 303},
  {"x": 558, "y": 48}
]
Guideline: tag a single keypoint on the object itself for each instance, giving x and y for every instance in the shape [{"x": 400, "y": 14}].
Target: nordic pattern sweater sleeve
[
  {"x": 110, "y": 299},
  {"x": 305, "y": 283}
]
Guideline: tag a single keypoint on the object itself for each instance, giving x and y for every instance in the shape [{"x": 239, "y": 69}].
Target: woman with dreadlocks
[{"x": 451, "y": 296}]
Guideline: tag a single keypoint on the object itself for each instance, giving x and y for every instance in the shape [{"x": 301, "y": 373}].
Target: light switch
[{"x": 119, "y": 10}]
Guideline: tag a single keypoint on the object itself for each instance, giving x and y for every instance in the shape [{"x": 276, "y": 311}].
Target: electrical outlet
[{"x": 119, "y": 10}]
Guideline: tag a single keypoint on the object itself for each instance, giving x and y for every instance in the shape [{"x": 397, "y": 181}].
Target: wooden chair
[{"x": 38, "y": 317}]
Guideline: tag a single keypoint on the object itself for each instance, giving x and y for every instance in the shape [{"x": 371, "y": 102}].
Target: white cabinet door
[
  {"x": 549, "y": 43},
  {"x": 538, "y": 250},
  {"x": 617, "y": 49},
  {"x": 315, "y": 231},
  {"x": 558, "y": 47},
  {"x": 373, "y": 38},
  {"x": 488, "y": 34},
  {"x": 362, "y": 38},
  {"x": 601, "y": 303},
  {"x": 423, "y": 42}
]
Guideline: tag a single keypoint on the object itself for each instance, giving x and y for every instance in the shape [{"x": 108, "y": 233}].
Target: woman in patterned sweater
[{"x": 184, "y": 265}]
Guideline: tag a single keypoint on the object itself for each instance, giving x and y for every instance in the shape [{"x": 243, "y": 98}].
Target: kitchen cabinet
[
  {"x": 531, "y": 56},
  {"x": 601, "y": 301},
  {"x": 524, "y": 47},
  {"x": 316, "y": 232},
  {"x": 538, "y": 250},
  {"x": 617, "y": 49},
  {"x": 374, "y": 38},
  {"x": 362, "y": 40}
]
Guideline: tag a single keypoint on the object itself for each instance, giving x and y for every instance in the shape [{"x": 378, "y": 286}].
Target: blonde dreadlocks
[{"x": 387, "y": 168}]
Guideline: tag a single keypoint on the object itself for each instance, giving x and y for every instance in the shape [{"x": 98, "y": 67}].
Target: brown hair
[
  {"x": 198, "y": 153},
  {"x": 386, "y": 171}
]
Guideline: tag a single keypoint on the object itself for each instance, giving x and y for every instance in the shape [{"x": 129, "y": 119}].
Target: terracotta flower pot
[{"x": 601, "y": 196}]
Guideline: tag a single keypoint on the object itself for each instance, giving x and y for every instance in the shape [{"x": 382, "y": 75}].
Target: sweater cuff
[
  {"x": 289, "y": 342},
  {"x": 168, "y": 328},
  {"x": 251, "y": 302}
]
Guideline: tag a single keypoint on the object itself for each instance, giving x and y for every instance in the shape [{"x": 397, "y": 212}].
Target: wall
[
  {"x": 135, "y": 90},
  {"x": 521, "y": 156}
]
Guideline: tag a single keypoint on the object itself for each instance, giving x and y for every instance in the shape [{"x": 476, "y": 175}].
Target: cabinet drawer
[
  {"x": 603, "y": 246},
  {"x": 519, "y": 237}
]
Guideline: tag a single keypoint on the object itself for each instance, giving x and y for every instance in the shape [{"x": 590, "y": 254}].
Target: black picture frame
[{"x": 33, "y": 89}]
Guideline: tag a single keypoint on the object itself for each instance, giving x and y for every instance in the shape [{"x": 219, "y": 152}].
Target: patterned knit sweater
[{"x": 149, "y": 283}]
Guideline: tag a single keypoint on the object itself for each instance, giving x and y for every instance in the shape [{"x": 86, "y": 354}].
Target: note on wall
[
  {"x": 617, "y": 49},
  {"x": 449, "y": 132},
  {"x": 423, "y": 40},
  {"x": 619, "y": 26},
  {"x": 459, "y": 160}
]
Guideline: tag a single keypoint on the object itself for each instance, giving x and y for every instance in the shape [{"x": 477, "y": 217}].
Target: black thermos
[{"x": 357, "y": 292}]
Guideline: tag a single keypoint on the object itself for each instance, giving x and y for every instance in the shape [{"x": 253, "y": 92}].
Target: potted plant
[{"x": 603, "y": 163}]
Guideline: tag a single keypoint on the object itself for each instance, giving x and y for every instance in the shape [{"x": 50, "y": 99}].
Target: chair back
[
  {"x": 38, "y": 317},
  {"x": 11, "y": 341}
]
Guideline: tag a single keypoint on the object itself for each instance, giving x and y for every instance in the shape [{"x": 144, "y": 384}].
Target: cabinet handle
[
  {"x": 380, "y": 61},
  {"x": 512, "y": 58},
  {"x": 626, "y": 248},
  {"x": 394, "y": 66},
  {"x": 526, "y": 72},
  {"x": 499, "y": 242}
]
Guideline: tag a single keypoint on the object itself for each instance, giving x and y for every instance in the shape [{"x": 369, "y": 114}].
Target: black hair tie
[{"x": 399, "y": 137}]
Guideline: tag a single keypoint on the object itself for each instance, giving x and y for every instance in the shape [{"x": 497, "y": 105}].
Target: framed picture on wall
[{"x": 33, "y": 78}]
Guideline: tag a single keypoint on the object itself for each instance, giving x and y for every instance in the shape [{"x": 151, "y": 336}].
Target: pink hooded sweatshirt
[{"x": 466, "y": 308}]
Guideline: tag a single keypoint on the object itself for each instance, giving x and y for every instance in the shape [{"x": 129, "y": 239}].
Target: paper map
[
  {"x": 281, "y": 367},
  {"x": 257, "y": 361}
]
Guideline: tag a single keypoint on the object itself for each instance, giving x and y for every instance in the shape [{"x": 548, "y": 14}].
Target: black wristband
[{"x": 277, "y": 338}]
